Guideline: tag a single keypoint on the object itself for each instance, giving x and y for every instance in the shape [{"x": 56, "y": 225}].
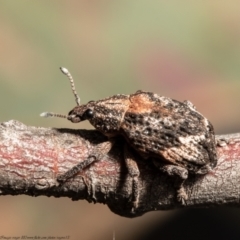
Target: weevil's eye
[{"x": 88, "y": 113}]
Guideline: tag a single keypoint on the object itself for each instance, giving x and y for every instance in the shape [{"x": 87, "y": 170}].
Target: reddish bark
[{"x": 31, "y": 158}]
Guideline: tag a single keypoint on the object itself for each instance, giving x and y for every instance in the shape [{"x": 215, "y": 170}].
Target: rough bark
[{"x": 32, "y": 157}]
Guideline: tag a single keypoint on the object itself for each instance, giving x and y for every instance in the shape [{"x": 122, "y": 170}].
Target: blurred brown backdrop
[{"x": 181, "y": 49}]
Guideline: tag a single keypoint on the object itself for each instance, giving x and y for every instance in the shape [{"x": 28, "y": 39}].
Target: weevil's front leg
[
  {"x": 77, "y": 168},
  {"x": 134, "y": 173},
  {"x": 99, "y": 150}
]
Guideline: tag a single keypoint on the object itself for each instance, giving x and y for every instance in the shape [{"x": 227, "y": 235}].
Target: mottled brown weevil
[{"x": 173, "y": 134}]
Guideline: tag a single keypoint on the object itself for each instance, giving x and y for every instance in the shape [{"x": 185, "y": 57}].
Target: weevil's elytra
[{"x": 172, "y": 133}]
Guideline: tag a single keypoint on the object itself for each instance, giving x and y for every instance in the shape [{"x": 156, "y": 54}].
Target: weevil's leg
[
  {"x": 134, "y": 173},
  {"x": 222, "y": 142},
  {"x": 100, "y": 150},
  {"x": 77, "y": 168},
  {"x": 173, "y": 170},
  {"x": 179, "y": 172}
]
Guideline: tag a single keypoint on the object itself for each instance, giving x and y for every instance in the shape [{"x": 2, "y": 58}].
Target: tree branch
[{"x": 31, "y": 158}]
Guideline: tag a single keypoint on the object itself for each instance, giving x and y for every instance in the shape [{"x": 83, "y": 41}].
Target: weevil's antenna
[
  {"x": 68, "y": 74},
  {"x": 77, "y": 98},
  {"x": 49, "y": 115}
]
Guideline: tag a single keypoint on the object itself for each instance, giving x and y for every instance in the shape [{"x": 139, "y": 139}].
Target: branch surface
[{"x": 32, "y": 157}]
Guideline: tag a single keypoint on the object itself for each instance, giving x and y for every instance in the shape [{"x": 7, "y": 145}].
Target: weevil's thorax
[{"x": 105, "y": 115}]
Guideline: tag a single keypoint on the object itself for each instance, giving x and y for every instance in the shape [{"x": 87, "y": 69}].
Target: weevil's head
[{"x": 105, "y": 115}]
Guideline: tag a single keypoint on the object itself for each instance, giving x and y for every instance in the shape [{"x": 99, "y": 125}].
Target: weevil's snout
[
  {"x": 80, "y": 113},
  {"x": 74, "y": 117}
]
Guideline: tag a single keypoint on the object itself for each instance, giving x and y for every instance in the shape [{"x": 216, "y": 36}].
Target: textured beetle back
[{"x": 168, "y": 129}]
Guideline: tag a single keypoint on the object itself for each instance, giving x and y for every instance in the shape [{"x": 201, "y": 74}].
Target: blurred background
[{"x": 180, "y": 49}]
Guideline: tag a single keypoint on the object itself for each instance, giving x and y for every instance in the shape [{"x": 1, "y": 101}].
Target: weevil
[{"x": 172, "y": 134}]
